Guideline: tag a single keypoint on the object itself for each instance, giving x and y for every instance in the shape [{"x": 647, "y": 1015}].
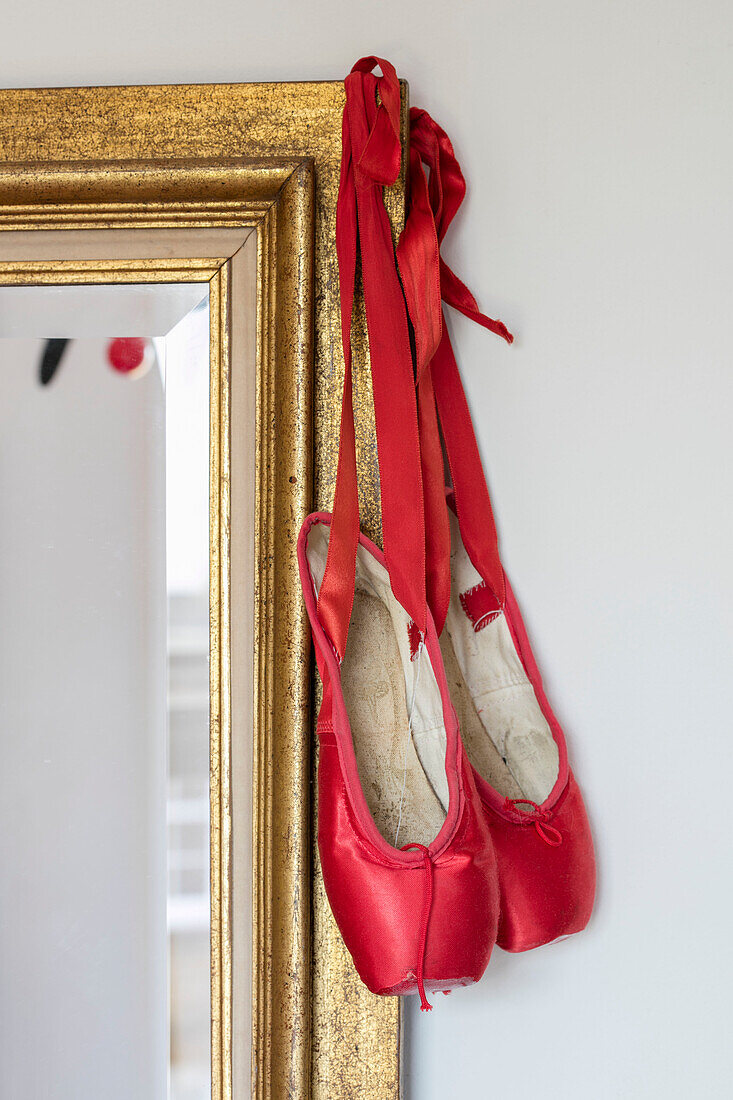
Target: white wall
[{"x": 596, "y": 139}]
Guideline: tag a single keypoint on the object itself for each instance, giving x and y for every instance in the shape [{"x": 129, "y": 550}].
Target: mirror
[
  {"x": 115, "y": 203},
  {"x": 104, "y": 691}
]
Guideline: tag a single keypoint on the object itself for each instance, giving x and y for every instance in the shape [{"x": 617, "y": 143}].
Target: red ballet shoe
[
  {"x": 408, "y": 863},
  {"x": 533, "y": 806}
]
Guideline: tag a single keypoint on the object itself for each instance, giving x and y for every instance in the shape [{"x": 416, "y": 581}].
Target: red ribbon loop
[
  {"x": 538, "y": 817},
  {"x": 381, "y": 155}
]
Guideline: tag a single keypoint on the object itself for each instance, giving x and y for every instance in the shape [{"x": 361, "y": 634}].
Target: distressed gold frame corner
[{"x": 259, "y": 159}]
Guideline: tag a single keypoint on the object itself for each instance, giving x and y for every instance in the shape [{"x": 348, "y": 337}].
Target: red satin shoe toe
[
  {"x": 546, "y": 870},
  {"x": 532, "y": 802}
]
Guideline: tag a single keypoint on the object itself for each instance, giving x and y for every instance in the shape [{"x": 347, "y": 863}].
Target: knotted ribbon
[{"x": 536, "y": 816}]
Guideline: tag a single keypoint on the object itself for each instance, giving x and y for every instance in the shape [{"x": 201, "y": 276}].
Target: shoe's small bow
[{"x": 536, "y": 816}]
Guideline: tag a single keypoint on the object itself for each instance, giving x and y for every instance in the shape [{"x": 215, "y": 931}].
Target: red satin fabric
[
  {"x": 470, "y": 492},
  {"x": 371, "y": 156},
  {"x": 377, "y": 892},
  {"x": 434, "y": 203}
]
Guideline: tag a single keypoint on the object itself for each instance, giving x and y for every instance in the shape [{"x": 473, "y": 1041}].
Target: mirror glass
[{"x": 104, "y": 692}]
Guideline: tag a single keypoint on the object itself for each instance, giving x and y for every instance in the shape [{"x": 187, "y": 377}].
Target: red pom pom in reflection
[{"x": 126, "y": 354}]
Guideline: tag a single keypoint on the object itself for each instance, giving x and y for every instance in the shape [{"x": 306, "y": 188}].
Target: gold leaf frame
[{"x": 236, "y": 185}]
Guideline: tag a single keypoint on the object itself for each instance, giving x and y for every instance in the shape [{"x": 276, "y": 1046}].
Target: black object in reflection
[{"x": 52, "y": 355}]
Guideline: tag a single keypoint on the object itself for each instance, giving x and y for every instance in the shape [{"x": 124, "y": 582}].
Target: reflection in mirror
[{"x": 104, "y": 693}]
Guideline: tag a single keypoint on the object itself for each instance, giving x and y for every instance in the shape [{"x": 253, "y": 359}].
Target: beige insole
[
  {"x": 373, "y": 683},
  {"x": 480, "y": 749}
]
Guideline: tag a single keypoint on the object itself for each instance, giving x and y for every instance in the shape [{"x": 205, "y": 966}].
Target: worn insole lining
[
  {"x": 373, "y": 683},
  {"x": 480, "y": 749}
]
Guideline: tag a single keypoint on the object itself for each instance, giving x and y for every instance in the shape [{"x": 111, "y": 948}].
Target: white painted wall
[{"x": 597, "y": 143}]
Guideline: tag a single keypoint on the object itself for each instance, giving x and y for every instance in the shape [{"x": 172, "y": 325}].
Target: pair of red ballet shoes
[{"x": 512, "y": 862}]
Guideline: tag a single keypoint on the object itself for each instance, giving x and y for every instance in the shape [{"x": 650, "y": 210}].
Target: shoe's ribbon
[
  {"x": 536, "y": 816},
  {"x": 425, "y": 1005},
  {"x": 371, "y": 157},
  {"x": 435, "y": 198}
]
